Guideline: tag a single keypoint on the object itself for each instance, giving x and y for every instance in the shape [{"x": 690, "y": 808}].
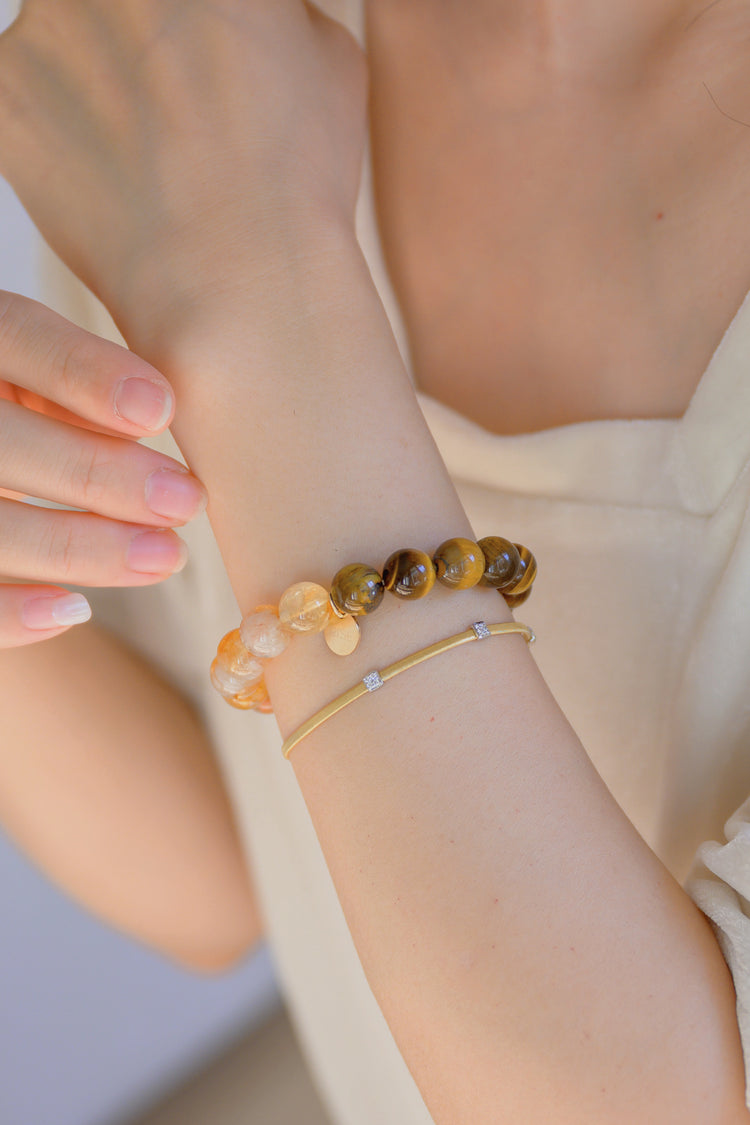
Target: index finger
[{"x": 95, "y": 379}]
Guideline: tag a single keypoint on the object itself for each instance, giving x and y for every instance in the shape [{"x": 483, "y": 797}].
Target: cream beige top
[{"x": 642, "y": 610}]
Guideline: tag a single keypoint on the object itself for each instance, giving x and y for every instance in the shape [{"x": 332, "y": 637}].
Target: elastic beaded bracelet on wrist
[{"x": 358, "y": 589}]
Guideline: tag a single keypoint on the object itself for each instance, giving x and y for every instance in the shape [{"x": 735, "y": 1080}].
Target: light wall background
[{"x": 93, "y": 1027}]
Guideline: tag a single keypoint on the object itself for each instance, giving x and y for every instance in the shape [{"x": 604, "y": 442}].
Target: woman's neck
[{"x": 603, "y": 41}]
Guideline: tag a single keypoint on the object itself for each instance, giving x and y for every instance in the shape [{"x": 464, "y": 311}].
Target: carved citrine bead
[
  {"x": 357, "y": 589},
  {"x": 263, "y": 634},
  {"x": 255, "y": 698},
  {"x": 234, "y": 668},
  {"x": 409, "y": 573},
  {"x": 459, "y": 563}
]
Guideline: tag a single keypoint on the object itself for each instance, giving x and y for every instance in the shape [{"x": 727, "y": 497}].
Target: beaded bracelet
[
  {"x": 375, "y": 680},
  {"x": 357, "y": 590}
]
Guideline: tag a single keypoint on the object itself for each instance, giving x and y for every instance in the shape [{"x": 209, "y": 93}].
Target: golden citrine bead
[
  {"x": 409, "y": 573},
  {"x": 459, "y": 563},
  {"x": 263, "y": 634},
  {"x": 342, "y": 635},
  {"x": 502, "y": 561},
  {"x": 232, "y": 654},
  {"x": 526, "y": 572},
  {"x": 255, "y": 697},
  {"x": 234, "y": 668},
  {"x": 357, "y": 589},
  {"x": 228, "y": 683},
  {"x": 305, "y": 608}
]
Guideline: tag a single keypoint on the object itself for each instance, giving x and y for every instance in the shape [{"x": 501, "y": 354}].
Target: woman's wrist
[
  {"x": 294, "y": 407},
  {"x": 285, "y": 267}
]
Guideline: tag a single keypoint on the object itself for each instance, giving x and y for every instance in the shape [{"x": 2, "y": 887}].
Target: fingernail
[
  {"x": 143, "y": 403},
  {"x": 174, "y": 493},
  {"x": 51, "y": 612},
  {"x": 157, "y": 552}
]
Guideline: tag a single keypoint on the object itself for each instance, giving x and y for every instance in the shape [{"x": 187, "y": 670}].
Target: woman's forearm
[
  {"x": 123, "y": 806},
  {"x": 534, "y": 960}
]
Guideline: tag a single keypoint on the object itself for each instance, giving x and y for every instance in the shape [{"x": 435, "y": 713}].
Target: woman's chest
[{"x": 559, "y": 253}]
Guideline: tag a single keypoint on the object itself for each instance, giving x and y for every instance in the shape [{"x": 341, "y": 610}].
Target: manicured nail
[
  {"x": 143, "y": 403},
  {"x": 51, "y": 612},
  {"x": 176, "y": 494},
  {"x": 157, "y": 552}
]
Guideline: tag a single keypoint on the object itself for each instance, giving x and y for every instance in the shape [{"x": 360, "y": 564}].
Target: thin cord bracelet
[{"x": 479, "y": 631}]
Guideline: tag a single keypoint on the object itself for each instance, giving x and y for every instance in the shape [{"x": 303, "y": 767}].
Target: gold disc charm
[{"x": 342, "y": 635}]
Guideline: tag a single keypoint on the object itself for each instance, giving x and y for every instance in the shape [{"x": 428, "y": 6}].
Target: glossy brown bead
[
  {"x": 502, "y": 562},
  {"x": 526, "y": 573},
  {"x": 409, "y": 573},
  {"x": 357, "y": 589},
  {"x": 459, "y": 563},
  {"x": 513, "y": 601}
]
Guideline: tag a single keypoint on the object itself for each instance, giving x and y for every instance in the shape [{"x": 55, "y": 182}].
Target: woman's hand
[
  {"x": 70, "y": 406},
  {"x": 165, "y": 150}
]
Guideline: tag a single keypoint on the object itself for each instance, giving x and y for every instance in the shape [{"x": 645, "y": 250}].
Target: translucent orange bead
[
  {"x": 305, "y": 608},
  {"x": 252, "y": 699},
  {"x": 409, "y": 573},
  {"x": 459, "y": 563},
  {"x": 226, "y": 683},
  {"x": 502, "y": 560},
  {"x": 234, "y": 668},
  {"x": 357, "y": 589},
  {"x": 263, "y": 634},
  {"x": 342, "y": 635}
]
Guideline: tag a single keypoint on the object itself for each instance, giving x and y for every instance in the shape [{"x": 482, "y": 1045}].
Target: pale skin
[
  {"x": 64, "y": 438},
  {"x": 432, "y": 861}
]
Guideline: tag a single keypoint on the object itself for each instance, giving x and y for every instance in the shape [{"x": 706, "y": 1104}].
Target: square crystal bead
[
  {"x": 372, "y": 681},
  {"x": 480, "y": 630}
]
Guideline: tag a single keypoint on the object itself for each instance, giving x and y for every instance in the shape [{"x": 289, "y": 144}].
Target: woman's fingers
[
  {"x": 70, "y": 406},
  {"x": 101, "y": 382},
  {"x": 36, "y": 613},
  {"x": 48, "y": 545},
  {"x": 110, "y": 476}
]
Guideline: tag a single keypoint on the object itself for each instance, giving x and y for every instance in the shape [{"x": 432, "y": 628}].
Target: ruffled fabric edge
[{"x": 719, "y": 885}]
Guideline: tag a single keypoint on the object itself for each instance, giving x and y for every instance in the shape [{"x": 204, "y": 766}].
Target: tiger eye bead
[
  {"x": 459, "y": 563},
  {"x": 304, "y": 608},
  {"x": 357, "y": 589},
  {"x": 514, "y": 600},
  {"x": 263, "y": 634},
  {"x": 409, "y": 573},
  {"x": 502, "y": 562},
  {"x": 252, "y": 699},
  {"x": 526, "y": 573}
]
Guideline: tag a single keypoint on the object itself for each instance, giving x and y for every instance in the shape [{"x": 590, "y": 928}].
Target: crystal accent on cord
[
  {"x": 372, "y": 681},
  {"x": 480, "y": 630}
]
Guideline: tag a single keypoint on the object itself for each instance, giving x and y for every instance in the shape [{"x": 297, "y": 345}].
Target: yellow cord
[{"x": 374, "y": 680}]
